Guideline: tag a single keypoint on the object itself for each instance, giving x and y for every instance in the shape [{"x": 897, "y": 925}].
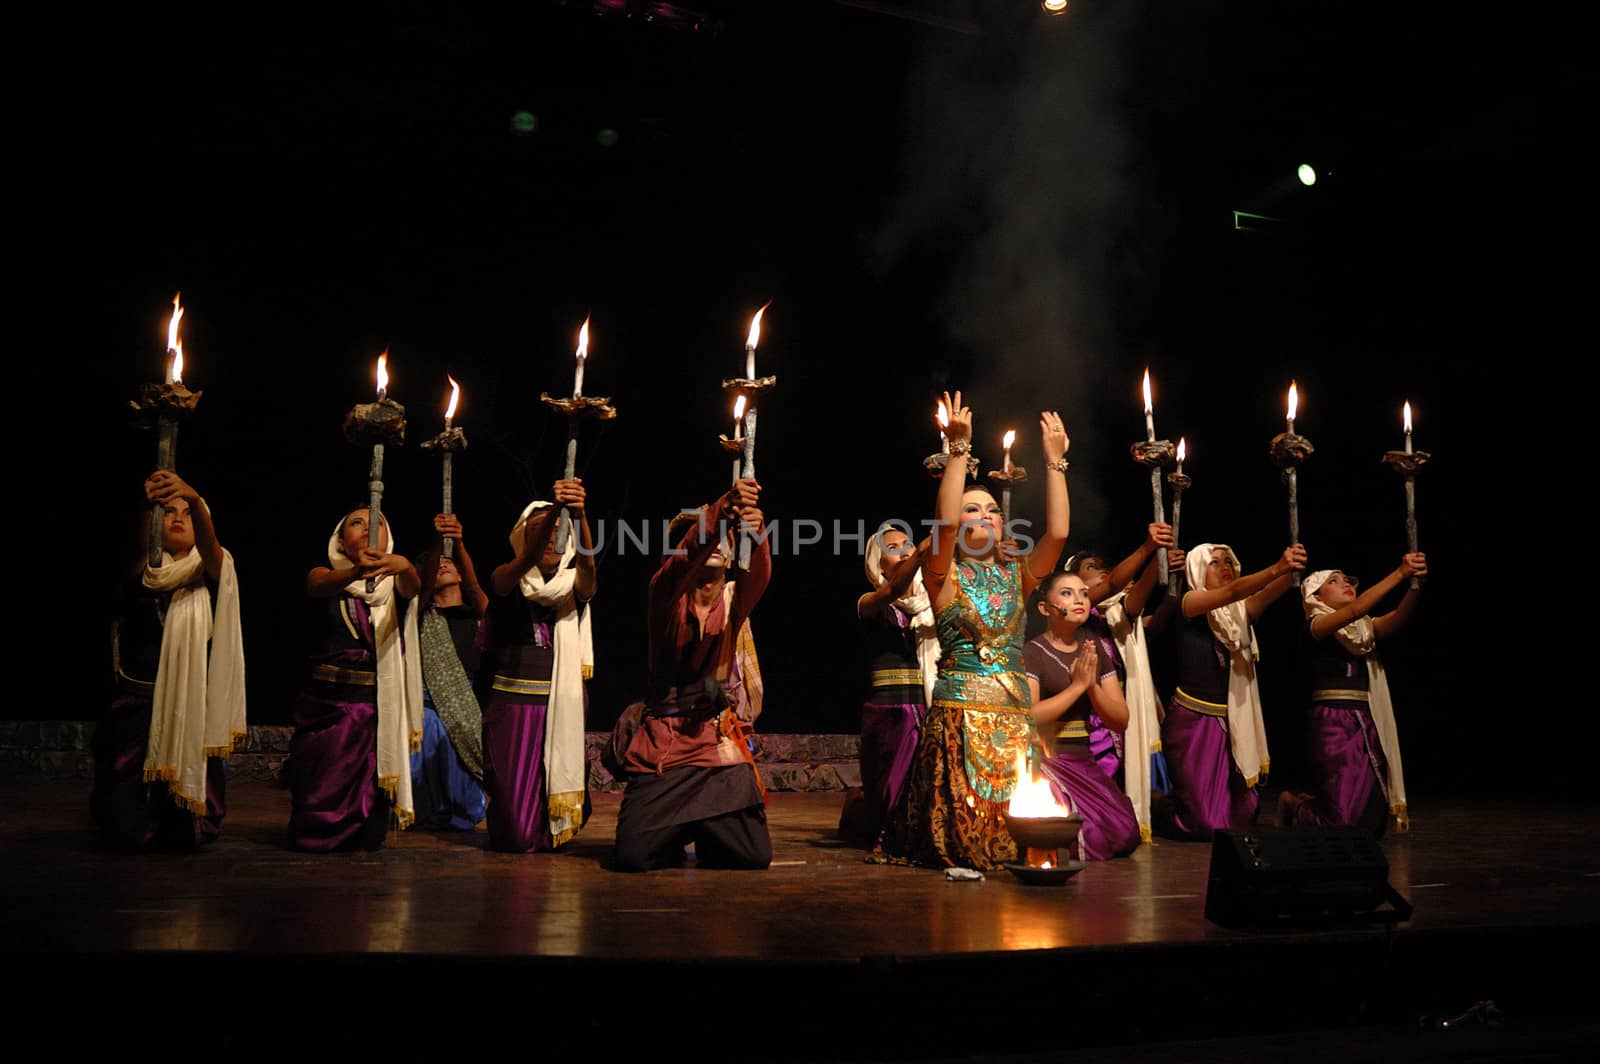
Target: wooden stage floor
[{"x": 1494, "y": 886}]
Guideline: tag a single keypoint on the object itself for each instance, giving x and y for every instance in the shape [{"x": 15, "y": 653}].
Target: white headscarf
[
  {"x": 1360, "y": 637},
  {"x": 917, "y": 606},
  {"x": 399, "y": 657},
  {"x": 1230, "y": 625},
  {"x": 198, "y": 708},
  {"x": 566, "y": 765}
]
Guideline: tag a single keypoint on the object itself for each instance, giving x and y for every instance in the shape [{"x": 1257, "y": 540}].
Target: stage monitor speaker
[{"x": 1266, "y": 876}]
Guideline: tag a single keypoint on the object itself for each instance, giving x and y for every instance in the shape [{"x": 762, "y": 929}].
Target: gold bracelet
[
  {"x": 959, "y": 448},
  {"x": 1058, "y": 464}
]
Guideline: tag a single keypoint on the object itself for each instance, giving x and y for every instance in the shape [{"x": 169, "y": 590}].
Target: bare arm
[
  {"x": 162, "y": 487},
  {"x": 472, "y": 593},
  {"x": 1391, "y": 622},
  {"x": 1326, "y": 624},
  {"x": 1133, "y": 566},
  {"x": 1041, "y": 561},
  {"x": 878, "y": 599},
  {"x": 326, "y": 582},
  {"x": 571, "y": 494},
  {"x": 536, "y": 534},
  {"x": 1109, "y": 703},
  {"x": 947, "y": 507},
  {"x": 1204, "y": 600}
]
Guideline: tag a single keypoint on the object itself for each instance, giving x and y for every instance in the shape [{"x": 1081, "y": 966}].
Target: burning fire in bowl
[{"x": 1042, "y": 827}]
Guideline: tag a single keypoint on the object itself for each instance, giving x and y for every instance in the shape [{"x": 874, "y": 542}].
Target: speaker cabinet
[{"x": 1267, "y": 876}]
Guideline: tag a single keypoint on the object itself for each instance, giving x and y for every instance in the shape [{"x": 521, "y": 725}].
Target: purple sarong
[
  {"x": 513, "y": 772},
  {"x": 133, "y": 815},
  {"x": 889, "y": 736},
  {"x": 1110, "y": 828},
  {"x": 1348, "y": 763},
  {"x": 1208, "y": 793},
  {"x": 333, "y": 771}
]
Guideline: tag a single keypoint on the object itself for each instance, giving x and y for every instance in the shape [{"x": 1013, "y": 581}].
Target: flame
[
  {"x": 1033, "y": 796},
  {"x": 755, "y": 328},
  {"x": 1408, "y": 417},
  {"x": 455, "y": 393},
  {"x": 383, "y": 372},
  {"x": 177, "y": 363},
  {"x": 943, "y": 415},
  {"x": 1010, "y": 438},
  {"x": 1183, "y": 451},
  {"x": 1148, "y": 406},
  {"x": 1047, "y": 864},
  {"x": 583, "y": 339},
  {"x": 738, "y": 408},
  {"x": 172, "y": 326},
  {"x": 1294, "y": 400}
]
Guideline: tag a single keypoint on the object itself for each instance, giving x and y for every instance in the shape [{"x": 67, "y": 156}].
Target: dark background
[{"x": 932, "y": 195}]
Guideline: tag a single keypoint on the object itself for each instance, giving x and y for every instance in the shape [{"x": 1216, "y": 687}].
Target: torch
[
  {"x": 1180, "y": 484},
  {"x": 1152, "y": 453},
  {"x": 447, "y": 443},
  {"x": 749, "y": 387},
  {"x": 379, "y": 423},
  {"x": 1288, "y": 450},
  {"x": 163, "y": 404},
  {"x": 576, "y": 408},
  {"x": 1408, "y": 463}
]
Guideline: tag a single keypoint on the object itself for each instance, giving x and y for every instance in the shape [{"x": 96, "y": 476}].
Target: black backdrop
[{"x": 1031, "y": 210}]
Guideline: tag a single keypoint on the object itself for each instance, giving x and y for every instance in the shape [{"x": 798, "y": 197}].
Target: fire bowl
[{"x": 1044, "y": 832}]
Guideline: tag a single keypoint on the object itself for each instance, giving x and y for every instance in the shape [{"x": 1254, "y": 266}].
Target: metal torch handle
[
  {"x": 565, "y": 519},
  {"x": 1411, "y": 525},
  {"x": 749, "y": 471},
  {"x": 1173, "y": 579},
  {"x": 449, "y": 500},
  {"x": 1294, "y": 518},
  {"x": 166, "y": 455},
  {"x": 374, "y": 506}
]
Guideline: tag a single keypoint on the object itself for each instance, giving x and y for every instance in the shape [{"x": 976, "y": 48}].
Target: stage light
[
  {"x": 1055, "y": 7},
  {"x": 1307, "y": 174},
  {"x": 524, "y": 123}
]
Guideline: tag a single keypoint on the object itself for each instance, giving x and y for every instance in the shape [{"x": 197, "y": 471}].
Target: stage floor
[
  {"x": 444, "y": 893},
  {"x": 1495, "y": 888}
]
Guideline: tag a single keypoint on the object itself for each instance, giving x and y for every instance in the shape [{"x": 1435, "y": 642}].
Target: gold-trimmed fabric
[
  {"x": 1339, "y": 694},
  {"x": 349, "y": 677},
  {"x": 995, "y": 739},
  {"x": 565, "y": 814},
  {"x": 1073, "y": 729},
  {"x": 897, "y": 678},
  {"x": 515, "y": 685},
  {"x": 1200, "y": 705}
]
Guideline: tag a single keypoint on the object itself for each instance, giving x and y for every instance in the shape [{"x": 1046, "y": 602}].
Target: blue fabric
[
  {"x": 444, "y": 792},
  {"x": 1160, "y": 780}
]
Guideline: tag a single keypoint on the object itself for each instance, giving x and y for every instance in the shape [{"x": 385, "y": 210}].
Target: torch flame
[
  {"x": 1294, "y": 400},
  {"x": 455, "y": 393},
  {"x": 943, "y": 415},
  {"x": 1010, "y": 438},
  {"x": 383, "y": 372},
  {"x": 583, "y": 339},
  {"x": 738, "y": 408},
  {"x": 172, "y": 326},
  {"x": 1148, "y": 406},
  {"x": 177, "y": 363},
  {"x": 1033, "y": 796},
  {"x": 755, "y": 328},
  {"x": 1183, "y": 451},
  {"x": 1408, "y": 417}
]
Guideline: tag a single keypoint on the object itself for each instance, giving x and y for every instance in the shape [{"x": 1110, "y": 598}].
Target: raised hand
[{"x": 1052, "y": 436}]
